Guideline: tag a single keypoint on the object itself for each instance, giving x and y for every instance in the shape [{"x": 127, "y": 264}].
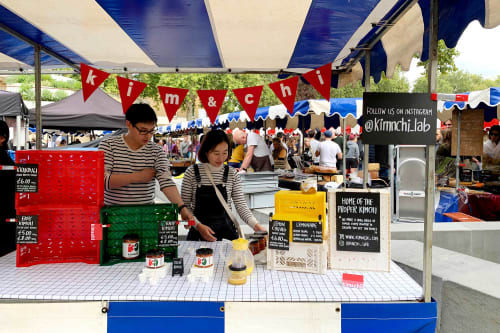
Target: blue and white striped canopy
[
  {"x": 309, "y": 113},
  {"x": 487, "y": 99},
  {"x": 221, "y": 35}
]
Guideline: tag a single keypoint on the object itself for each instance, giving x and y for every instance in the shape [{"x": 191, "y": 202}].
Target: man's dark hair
[
  {"x": 311, "y": 133},
  {"x": 494, "y": 128},
  {"x": 4, "y": 131},
  {"x": 210, "y": 141},
  {"x": 317, "y": 136},
  {"x": 279, "y": 135},
  {"x": 140, "y": 113}
]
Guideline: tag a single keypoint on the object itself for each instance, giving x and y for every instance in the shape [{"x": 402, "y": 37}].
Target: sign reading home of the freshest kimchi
[
  {"x": 27, "y": 178},
  {"x": 399, "y": 118}
]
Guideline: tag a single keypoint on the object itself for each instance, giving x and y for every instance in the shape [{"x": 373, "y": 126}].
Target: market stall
[{"x": 297, "y": 36}]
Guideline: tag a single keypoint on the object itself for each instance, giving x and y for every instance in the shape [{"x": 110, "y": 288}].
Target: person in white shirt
[
  {"x": 258, "y": 155},
  {"x": 314, "y": 143},
  {"x": 328, "y": 151},
  {"x": 491, "y": 150}
]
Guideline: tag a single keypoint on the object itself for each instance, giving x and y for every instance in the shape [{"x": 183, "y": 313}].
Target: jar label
[
  {"x": 130, "y": 250},
  {"x": 155, "y": 262},
  {"x": 205, "y": 261}
]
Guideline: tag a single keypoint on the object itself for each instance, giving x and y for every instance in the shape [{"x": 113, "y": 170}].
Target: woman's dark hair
[
  {"x": 210, "y": 141},
  {"x": 141, "y": 113},
  {"x": 4, "y": 131}
]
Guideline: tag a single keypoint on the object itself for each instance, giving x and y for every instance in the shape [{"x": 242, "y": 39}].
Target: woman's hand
[
  {"x": 259, "y": 227},
  {"x": 206, "y": 232}
]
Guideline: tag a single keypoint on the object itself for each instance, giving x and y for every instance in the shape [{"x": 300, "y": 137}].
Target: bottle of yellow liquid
[{"x": 240, "y": 262}]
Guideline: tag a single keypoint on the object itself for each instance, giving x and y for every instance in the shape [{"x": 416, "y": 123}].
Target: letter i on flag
[
  {"x": 172, "y": 99},
  {"x": 129, "y": 91},
  {"x": 212, "y": 101},
  {"x": 249, "y": 99},
  {"x": 286, "y": 91},
  {"x": 91, "y": 79},
  {"x": 321, "y": 78}
]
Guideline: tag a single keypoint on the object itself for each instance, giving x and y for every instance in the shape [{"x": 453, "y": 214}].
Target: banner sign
[
  {"x": 212, "y": 101},
  {"x": 249, "y": 99},
  {"x": 321, "y": 78},
  {"x": 129, "y": 91},
  {"x": 91, "y": 79},
  {"x": 172, "y": 99},
  {"x": 286, "y": 90}
]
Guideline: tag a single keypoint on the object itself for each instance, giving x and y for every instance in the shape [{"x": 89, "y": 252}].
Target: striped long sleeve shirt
[
  {"x": 119, "y": 158},
  {"x": 233, "y": 188}
]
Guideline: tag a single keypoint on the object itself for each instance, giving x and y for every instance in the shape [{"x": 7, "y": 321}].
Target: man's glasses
[
  {"x": 145, "y": 132},
  {"x": 495, "y": 134}
]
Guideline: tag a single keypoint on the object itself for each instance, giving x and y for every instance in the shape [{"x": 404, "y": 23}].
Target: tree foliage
[
  {"x": 446, "y": 59},
  {"x": 456, "y": 82}
]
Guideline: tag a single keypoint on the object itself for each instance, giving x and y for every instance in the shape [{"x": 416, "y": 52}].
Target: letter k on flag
[
  {"x": 172, "y": 99},
  {"x": 129, "y": 91},
  {"x": 91, "y": 79}
]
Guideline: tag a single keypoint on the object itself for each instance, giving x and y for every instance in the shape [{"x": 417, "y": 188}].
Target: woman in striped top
[{"x": 212, "y": 221}]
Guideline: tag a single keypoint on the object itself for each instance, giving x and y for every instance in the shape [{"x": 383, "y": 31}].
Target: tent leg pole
[
  {"x": 38, "y": 94},
  {"x": 344, "y": 171},
  {"x": 457, "y": 158},
  {"x": 366, "y": 147},
  {"x": 431, "y": 155}
]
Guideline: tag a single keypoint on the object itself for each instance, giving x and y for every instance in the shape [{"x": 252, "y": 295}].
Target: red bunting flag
[
  {"x": 91, "y": 79},
  {"x": 129, "y": 91},
  {"x": 249, "y": 99},
  {"x": 286, "y": 91},
  {"x": 172, "y": 99},
  {"x": 321, "y": 78},
  {"x": 212, "y": 101}
]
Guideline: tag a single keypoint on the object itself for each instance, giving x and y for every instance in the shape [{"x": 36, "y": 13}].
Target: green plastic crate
[{"x": 138, "y": 219}]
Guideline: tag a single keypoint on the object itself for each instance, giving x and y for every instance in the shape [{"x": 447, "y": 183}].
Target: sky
[{"x": 479, "y": 53}]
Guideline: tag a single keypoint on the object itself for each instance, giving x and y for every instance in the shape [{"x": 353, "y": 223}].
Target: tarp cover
[
  {"x": 217, "y": 35},
  {"x": 100, "y": 111},
  {"x": 11, "y": 104}
]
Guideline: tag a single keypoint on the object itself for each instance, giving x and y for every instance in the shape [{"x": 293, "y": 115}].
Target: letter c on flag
[{"x": 249, "y": 99}]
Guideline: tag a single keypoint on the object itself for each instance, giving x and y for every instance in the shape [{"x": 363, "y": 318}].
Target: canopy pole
[
  {"x": 457, "y": 158},
  {"x": 366, "y": 147},
  {"x": 344, "y": 171},
  {"x": 391, "y": 178},
  {"x": 38, "y": 95},
  {"x": 431, "y": 154}
]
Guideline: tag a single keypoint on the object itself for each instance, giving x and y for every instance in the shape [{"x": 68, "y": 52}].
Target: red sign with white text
[
  {"x": 129, "y": 91},
  {"x": 352, "y": 280},
  {"x": 321, "y": 78},
  {"x": 249, "y": 99},
  {"x": 91, "y": 79},
  {"x": 212, "y": 101},
  {"x": 286, "y": 91},
  {"x": 172, "y": 99}
]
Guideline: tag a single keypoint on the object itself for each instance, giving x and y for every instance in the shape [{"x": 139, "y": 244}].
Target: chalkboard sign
[
  {"x": 168, "y": 233},
  {"x": 177, "y": 266},
  {"x": 399, "y": 118},
  {"x": 279, "y": 235},
  {"x": 358, "y": 221},
  {"x": 27, "y": 178},
  {"x": 307, "y": 232},
  {"x": 27, "y": 229}
]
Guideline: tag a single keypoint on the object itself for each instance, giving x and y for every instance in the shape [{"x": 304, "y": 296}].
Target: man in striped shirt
[{"x": 132, "y": 162}]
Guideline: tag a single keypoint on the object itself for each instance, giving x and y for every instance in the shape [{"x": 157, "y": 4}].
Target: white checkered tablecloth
[{"x": 120, "y": 282}]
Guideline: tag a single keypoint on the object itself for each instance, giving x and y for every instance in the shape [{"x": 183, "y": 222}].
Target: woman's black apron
[{"x": 209, "y": 210}]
